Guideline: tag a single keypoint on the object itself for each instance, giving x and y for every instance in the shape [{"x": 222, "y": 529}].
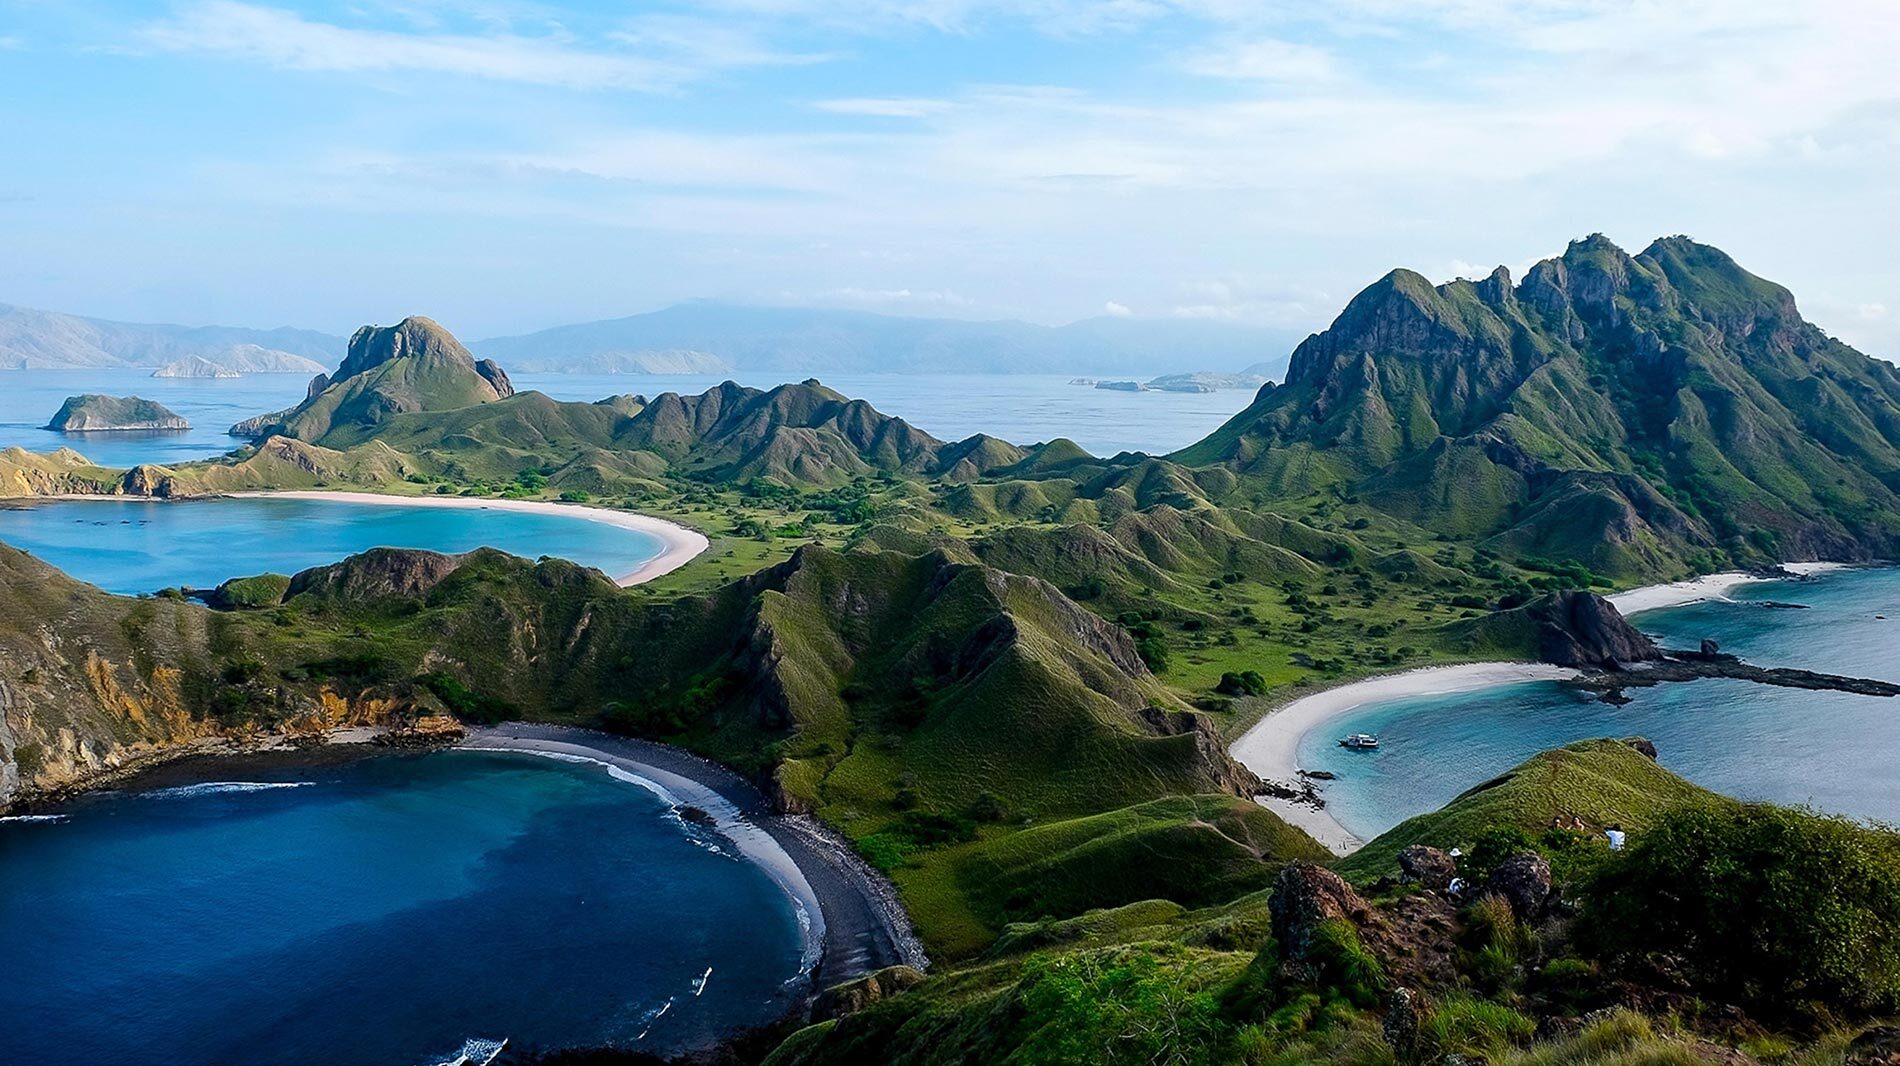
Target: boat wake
[{"x": 215, "y": 788}]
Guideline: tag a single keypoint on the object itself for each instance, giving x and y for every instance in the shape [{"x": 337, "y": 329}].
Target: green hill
[
  {"x": 414, "y": 365},
  {"x": 1642, "y": 414},
  {"x": 1601, "y": 782}
]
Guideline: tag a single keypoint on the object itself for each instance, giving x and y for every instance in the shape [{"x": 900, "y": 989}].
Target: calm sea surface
[
  {"x": 133, "y": 546},
  {"x": 1833, "y": 750},
  {"x": 1023, "y": 409},
  {"x": 382, "y": 912}
]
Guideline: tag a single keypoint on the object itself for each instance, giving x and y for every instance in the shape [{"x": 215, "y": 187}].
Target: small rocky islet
[{"x": 96, "y": 413}]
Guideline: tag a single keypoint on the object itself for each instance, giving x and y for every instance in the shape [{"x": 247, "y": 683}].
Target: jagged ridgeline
[{"x": 1633, "y": 413}]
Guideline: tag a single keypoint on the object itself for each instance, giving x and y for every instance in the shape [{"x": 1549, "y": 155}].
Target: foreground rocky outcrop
[{"x": 95, "y": 413}]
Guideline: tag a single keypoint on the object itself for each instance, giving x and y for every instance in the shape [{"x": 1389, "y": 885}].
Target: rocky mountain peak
[{"x": 415, "y": 336}]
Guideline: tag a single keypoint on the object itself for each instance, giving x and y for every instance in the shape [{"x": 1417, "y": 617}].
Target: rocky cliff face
[
  {"x": 92, "y": 683},
  {"x": 1633, "y": 412},
  {"x": 1583, "y": 629}
]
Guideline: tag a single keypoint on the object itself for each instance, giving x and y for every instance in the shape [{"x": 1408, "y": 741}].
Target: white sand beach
[
  {"x": 1270, "y": 749},
  {"x": 1707, "y": 587},
  {"x": 681, "y": 544}
]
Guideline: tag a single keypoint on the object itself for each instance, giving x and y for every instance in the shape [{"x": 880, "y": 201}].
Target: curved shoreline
[
  {"x": 855, "y": 923},
  {"x": 679, "y": 545},
  {"x": 1271, "y": 747}
]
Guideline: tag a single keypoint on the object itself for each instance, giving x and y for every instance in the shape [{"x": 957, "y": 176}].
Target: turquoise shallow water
[
  {"x": 380, "y": 912},
  {"x": 1832, "y": 750},
  {"x": 133, "y": 546}
]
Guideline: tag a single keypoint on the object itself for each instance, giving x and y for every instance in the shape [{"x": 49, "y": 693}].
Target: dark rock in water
[
  {"x": 1644, "y": 745},
  {"x": 1777, "y": 605},
  {"x": 94, "y": 413},
  {"x": 1523, "y": 881},
  {"x": 853, "y": 996},
  {"x": 1305, "y": 895},
  {"x": 696, "y": 816},
  {"x": 1709, "y": 648},
  {"x": 1320, "y": 775},
  {"x": 1428, "y": 866}
]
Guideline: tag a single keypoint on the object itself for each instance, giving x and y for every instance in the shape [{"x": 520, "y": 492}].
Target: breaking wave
[{"x": 214, "y": 788}]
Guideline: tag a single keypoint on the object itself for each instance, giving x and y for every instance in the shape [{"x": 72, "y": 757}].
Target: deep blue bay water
[
  {"x": 1835, "y": 751},
  {"x": 131, "y": 546},
  {"x": 382, "y": 912}
]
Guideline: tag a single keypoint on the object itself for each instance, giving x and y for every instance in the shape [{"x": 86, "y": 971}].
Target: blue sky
[{"x": 505, "y": 166}]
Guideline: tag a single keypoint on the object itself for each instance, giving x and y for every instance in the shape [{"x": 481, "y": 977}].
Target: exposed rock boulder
[
  {"x": 1584, "y": 629},
  {"x": 853, "y": 996},
  {"x": 1879, "y": 1046},
  {"x": 94, "y": 413},
  {"x": 380, "y": 573},
  {"x": 1523, "y": 881},
  {"x": 492, "y": 373},
  {"x": 1644, "y": 745},
  {"x": 1304, "y": 896},
  {"x": 1428, "y": 866},
  {"x": 1404, "y": 1009}
]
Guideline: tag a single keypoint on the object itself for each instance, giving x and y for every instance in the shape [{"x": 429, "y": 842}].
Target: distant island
[
  {"x": 93, "y": 413},
  {"x": 238, "y": 360},
  {"x": 195, "y": 366},
  {"x": 1196, "y": 381}
]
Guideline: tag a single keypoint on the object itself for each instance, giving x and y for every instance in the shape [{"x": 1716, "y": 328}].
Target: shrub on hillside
[{"x": 1783, "y": 910}]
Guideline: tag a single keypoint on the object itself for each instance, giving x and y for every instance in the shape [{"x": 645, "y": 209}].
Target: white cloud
[
  {"x": 1116, "y": 310},
  {"x": 1871, "y": 312},
  {"x": 1265, "y": 60},
  {"x": 675, "y": 51},
  {"x": 886, "y": 107}
]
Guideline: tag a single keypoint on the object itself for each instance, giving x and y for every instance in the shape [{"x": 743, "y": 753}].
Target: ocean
[
  {"x": 1024, "y": 409},
  {"x": 1830, "y": 750},
  {"x": 385, "y": 911}
]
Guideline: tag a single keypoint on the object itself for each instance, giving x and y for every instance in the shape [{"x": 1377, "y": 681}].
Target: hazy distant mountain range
[
  {"x": 706, "y": 338},
  {"x": 48, "y": 340}
]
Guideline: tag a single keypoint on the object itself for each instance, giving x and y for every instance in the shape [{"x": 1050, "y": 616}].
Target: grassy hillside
[
  {"x": 1640, "y": 414},
  {"x": 1600, "y": 782}
]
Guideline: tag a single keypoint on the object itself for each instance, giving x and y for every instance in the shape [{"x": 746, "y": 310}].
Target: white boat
[{"x": 1360, "y": 742}]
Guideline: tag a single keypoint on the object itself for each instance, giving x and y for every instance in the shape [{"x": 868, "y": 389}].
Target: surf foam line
[
  {"x": 33, "y": 818},
  {"x": 214, "y": 788},
  {"x": 618, "y": 773},
  {"x": 752, "y": 841}
]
